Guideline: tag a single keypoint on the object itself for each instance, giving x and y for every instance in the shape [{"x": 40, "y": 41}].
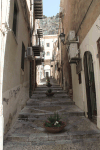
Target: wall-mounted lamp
[{"x": 62, "y": 37}]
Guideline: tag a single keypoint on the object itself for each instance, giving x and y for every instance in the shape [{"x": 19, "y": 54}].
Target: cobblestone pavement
[{"x": 28, "y": 133}]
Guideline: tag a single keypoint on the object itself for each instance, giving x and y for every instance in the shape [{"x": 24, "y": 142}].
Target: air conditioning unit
[
  {"x": 29, "y": 53},
  {"x": 73, "y": 52},
  {"x": 25, "y": 55},
  {"x": 71, "y": 35}
]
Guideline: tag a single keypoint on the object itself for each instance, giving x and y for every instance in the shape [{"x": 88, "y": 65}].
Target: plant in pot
[
  {"x": 53, "y": 124},
  {"x": 49, "y": 92},
  {"x": 47, "y": 80},
  {"x": 48, "y": 84}
]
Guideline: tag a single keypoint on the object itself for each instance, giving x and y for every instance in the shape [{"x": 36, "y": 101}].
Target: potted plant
[
  {"x": 53, "y": 124},
  {"x": 49, "y": 92},
  {"x": 47, "y": 79},
  {"x": 48, "y": 84}
]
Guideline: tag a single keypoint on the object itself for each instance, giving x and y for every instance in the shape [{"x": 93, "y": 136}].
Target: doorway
[
  {"x": 47, "y": 74},
  {"x": 90, "y": 86}
]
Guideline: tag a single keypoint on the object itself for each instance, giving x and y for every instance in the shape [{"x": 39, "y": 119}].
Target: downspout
[{"x": 84, "y": 17}]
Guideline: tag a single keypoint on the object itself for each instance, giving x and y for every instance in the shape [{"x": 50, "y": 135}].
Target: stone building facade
[
  {"x": 18, "y": 23},
  {"x": 83, "y": 17},
  {"x": 48, "y": 41}
]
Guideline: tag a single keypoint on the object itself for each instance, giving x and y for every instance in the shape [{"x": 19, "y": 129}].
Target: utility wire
[{"x": 84, "y": 17}]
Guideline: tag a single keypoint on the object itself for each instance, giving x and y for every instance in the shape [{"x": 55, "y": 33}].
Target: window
[
  {"x": 79, "y": 78},
  {"x": 23, "y": 55},
  {"x": 98, "y": 45},
  {"x": 48, "y": 53},
  {"x": 48, "y": 44},
  {"x": 15, "y": 15}
]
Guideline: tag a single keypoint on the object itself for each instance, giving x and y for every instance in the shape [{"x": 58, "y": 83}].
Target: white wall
[
  {"x": 15, "y": 81},
  {"x": 49, "y": 39},
  {"x": 47, "y": 69},
  {"x": 79, "y": 91}
]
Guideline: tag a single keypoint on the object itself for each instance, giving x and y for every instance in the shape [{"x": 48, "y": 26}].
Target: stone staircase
[{"x": 28, "y": 133}]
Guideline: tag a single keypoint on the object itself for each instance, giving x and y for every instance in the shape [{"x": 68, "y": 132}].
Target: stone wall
[
  {"x": 73, "y": 13},
  {"x": 15, "y": 80}
]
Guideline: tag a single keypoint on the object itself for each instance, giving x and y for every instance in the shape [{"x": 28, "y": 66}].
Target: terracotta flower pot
[
  {"x": 49, "y": 85},
  {"x": 49, "y": 94},
  {"x": 55, "y": 129}
]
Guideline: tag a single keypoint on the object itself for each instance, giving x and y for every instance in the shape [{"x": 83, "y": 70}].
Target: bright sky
[{"x": 51, "y": 7}]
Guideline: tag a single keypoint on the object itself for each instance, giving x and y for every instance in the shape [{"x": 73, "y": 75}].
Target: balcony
[
  {"x": 36, "y": 50},
  {"x": 41, "y": 48},
  {"x": 38, "y": 9},
  {"x": 39, "y": 60},
  {"x": 40, "y": 33}
]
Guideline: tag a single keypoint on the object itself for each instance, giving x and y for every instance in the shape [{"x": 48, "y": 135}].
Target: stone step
[
  {"x": 23, "y": 131},
  {"x": 43, "y": 137},
  {"x": 80, "y": 144},
  {"x": 52, "y": 109},
  {"x": 45, "y": 89},
  {"x": 26, "y": 116},
  {"x": 45, "y": 103},
  {"x": 55, "y": 91},
  {"x": 53, "y": 86},
  {"x": 44, "y": 96}
]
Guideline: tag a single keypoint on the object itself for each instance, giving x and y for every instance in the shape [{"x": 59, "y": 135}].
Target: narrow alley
[
  {"x": 49, "y": 74},
  {"x": 28, "y": 132}
]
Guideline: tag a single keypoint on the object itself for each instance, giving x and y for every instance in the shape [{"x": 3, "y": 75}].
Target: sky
[{"x": 51, "y": 7}]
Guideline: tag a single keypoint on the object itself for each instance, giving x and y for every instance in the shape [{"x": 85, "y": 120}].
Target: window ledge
[{"x": 14, "y": 37}]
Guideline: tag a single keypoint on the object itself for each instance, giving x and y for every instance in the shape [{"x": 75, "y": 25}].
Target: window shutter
[
  {"x": 98, "y": 45},
  {"x": 23, "y": 55}
]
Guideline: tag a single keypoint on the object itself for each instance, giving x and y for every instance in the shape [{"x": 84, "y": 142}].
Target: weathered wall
[
  {"x": 90, "y": 44},
  {"x": 15, "y": 82},
  {"x": 74, "y": 12}
]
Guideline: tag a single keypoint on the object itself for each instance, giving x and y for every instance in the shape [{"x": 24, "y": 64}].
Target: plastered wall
[
  {"x": 15, "y": 81},
  {"x": 83, "y": 17}
]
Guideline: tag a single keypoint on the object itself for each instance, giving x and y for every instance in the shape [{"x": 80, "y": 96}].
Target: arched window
[{"x": 48, "y": 53}]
